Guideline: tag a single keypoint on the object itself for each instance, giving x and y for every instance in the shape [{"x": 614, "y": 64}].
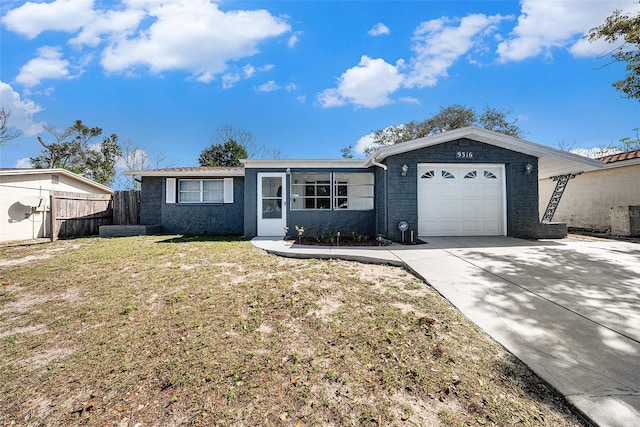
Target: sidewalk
[{"x": 569, "y": 309}]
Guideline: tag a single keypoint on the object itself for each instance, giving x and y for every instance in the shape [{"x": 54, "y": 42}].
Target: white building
[
  {"x": 25, "y": 197},
  {"x": 590, "y": 198}
]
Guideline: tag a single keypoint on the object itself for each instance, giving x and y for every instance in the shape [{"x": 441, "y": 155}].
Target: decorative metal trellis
[{"x": 561, "y": 184}]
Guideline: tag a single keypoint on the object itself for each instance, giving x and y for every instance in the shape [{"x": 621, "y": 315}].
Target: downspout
[{"x": 372, "y": 161}]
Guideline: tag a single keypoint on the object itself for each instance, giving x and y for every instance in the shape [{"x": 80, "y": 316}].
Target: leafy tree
[
  {"x": 6, "y": 134},
  {"x": 229, "y": 145},
  {"x": 347, "y": 152},
  {"x": 72, "y": 151},
  {"x": 228, "y": 153},
  {"x": 448, "y": 118},
  {"x": 625, "y": 27}
]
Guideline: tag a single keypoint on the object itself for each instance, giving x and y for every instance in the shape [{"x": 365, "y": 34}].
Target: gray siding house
[{"x": 464, "y": 182}]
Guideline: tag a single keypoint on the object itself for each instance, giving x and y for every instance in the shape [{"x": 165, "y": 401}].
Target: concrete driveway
[{"x": 569, "y": 309}]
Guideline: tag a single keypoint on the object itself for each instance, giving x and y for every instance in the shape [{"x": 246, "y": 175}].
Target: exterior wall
[
  {"x": 314, "y": 221},
  {"x": 151, "y": 200},
  {"x": 14, "y": 223},
  {"x": 588, "y": 198},
  {"x": 380, "y": 202},
  {"x": 521, "y": 189},
  {"x": 220, "y": 219}
]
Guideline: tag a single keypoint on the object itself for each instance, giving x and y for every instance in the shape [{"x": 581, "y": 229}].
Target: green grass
[{"x": 199, "y": 330}]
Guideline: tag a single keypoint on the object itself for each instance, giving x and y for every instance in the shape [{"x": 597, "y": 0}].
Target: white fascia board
[
  {"x": 303, "y": 163},
  {"x": 622, "y": 163},
  {"x": 58, "y": 171},
  {"x": 551, "y": 161},
  {"x": 165, "y": 173}
]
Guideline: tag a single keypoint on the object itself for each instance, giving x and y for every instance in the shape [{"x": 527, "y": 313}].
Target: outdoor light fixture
[
  {"x": 528, "y": 169},
  {"x": 288, "y": 171},
  {"x": 405, "y": 169}
]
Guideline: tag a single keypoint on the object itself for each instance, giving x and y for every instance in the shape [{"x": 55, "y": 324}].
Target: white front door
[
  {"x": 272, "y": 204},
  {"x": 461, "y": 200}
]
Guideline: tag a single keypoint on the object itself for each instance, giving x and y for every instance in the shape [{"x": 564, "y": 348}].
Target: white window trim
[
  {"x": 333, "y": 196},
  {"x": 173, "y": 191}
]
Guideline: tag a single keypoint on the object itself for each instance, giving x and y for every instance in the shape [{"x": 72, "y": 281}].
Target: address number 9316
[{"x": 464, "y": 154}]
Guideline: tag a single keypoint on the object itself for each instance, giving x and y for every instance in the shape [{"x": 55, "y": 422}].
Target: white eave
[
  {"x": 302, "y": 163},
  {"x": 551, "y": 161},
  {"x": 188, "y": 172},
  {"x": 57, "y": 171}
]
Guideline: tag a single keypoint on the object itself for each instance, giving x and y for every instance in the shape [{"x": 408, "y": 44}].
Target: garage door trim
[{"x": 501, "y": 215}]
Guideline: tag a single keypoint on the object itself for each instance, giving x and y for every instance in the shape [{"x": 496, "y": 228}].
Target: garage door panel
[
  {"x": 492, "y": 226},
  {"x": 491, "y": 192},
  {"x": 459, "y": 206},
  {"x": 471, "y": 191},
  {"x": 472, "y": 227},
  {"x": 449, "y": 226}
]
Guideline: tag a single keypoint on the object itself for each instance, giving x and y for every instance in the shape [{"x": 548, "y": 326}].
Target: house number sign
[{"x": 464, "y": 154}]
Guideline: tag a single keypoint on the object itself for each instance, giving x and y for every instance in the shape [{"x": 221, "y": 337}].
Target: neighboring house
[
  {"x": 590, "y": 197},
  {"x": 25, "y": 197},
  {"x": 463, "y": 182}
]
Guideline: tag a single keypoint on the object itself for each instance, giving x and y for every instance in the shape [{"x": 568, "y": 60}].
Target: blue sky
[{"x": 304, "y": 77}]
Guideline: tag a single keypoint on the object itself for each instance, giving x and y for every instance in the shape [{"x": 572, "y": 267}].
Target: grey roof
[{"x": 191, "y": 171}]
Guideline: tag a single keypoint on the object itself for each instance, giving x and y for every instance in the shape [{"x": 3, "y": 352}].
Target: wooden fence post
[{"x": 53, "y": 206}]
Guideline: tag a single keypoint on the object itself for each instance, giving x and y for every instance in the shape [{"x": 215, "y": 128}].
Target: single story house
[
  {"x": 591, "y": 198},
  {"x": 462, "y": 182},
  {"x": 25, "y": 197}
]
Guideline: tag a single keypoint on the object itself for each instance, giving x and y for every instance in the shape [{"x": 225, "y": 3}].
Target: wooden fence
[
  {"x": 78, "y": 214},
  {"x": 126, "y": 207}
]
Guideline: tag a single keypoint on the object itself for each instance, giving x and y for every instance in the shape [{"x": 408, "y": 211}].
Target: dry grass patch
[{"x": 199, "y": 331}]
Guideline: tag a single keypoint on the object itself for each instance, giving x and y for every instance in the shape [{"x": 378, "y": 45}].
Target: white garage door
[{"x": 461, "y": 200}]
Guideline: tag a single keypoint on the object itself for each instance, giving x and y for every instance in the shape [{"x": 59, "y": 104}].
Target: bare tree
[
  {"x": 135, "y": 158},
  {"x": 246, "y": 140},
  {"x": 5, "y": 133}
]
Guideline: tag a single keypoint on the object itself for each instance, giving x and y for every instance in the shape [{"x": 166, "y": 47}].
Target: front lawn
[{"x": 194, "y": 330}]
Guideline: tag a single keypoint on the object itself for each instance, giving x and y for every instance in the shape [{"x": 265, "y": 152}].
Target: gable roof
[
  {"x": 551, "y": 161},
  {"x": 621, "y": 157},
  {"x": 55, "y": 171},
  {"x": 191, "y": 171}
]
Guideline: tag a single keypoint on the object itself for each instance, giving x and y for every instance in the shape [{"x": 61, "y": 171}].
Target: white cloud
[
  {"x": 229, "y": 80},
  {"x": 293, "y": 40},
  {"x": 379, "y": 30},
  {"x": 368, "y": 84},
  {"x": 47, "y": 65},
  {"x": 24, "y": 163},
  {"x": 248, "y": 71},
  {"x": 440, "y": 42},
  {"x": 168, "y": 35},
  {"x": 410, "y": 100},
  {"x": 437, "y": 44},
  {"x": 110, "y": 23},
  {"x": 193, "y": 35},
  {"x": 550, "y": 24},
  {"x": 363, "y": 143},
  {"x": 137, "y": 159},
  {"x": 270, "y": 86},
  {"x": 22, "y": 110},
  {"x": 594, "y": 153},
  {"x": 31, "y": 19}
]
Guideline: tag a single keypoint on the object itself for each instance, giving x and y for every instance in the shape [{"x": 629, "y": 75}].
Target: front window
[
  {"x": 325, "y": 190},
  {"x": 201, "y": 191}
]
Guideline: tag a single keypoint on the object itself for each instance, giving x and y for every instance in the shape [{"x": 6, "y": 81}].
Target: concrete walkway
[{"x": 569, "y": 309}]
